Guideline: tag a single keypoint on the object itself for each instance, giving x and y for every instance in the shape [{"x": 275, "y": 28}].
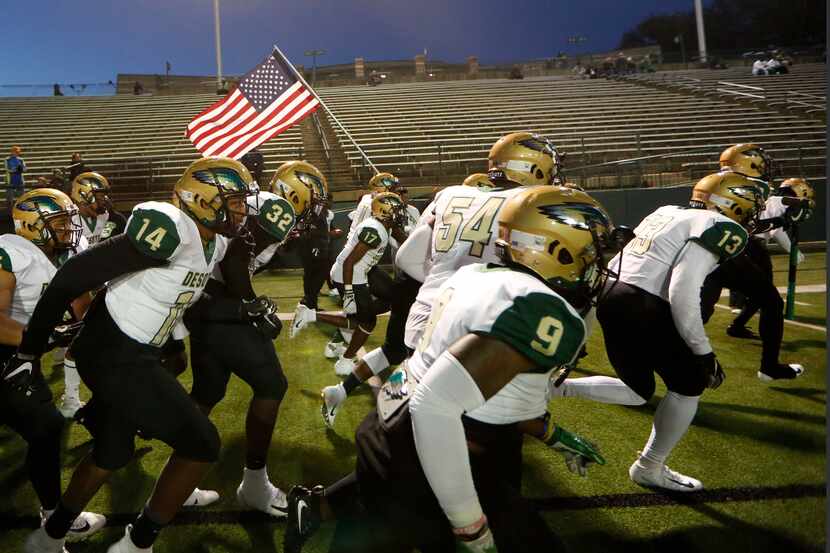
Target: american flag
[{"x": 269, "y": 100}]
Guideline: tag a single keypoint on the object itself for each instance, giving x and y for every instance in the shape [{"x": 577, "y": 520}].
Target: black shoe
[
  {"x": 303, "y": 517},
  {"x": 780, "y": 371},
  {"x": 740, "y": 332}
]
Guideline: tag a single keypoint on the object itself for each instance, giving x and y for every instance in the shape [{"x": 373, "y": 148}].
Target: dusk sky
[{"x": 88, "y": 41}]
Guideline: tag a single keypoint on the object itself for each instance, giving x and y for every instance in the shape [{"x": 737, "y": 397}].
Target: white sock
[
  {"x": 346, "y": 334},
  {"x": 71, "y": 379},
  {"x": 603, "y": 389},
  {"x": 376, "y": 360},
  {"x": 58, "y": 356},
  {"x": 254, "y": 477},
  {"x": 671, "y": 421}
]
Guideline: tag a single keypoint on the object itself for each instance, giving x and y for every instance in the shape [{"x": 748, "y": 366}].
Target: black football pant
[
  {"x": 405, "y": 292},
  {"x": 35, "y": 418},
  {"x": 760, "y": 256},
  {"x": 401, "y": 511},
  {"x": 314, "y": 258},
  {"x": 749, "y": 274}
]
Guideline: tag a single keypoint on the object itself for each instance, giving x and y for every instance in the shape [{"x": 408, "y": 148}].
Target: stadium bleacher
[{"x": 436, "y": 132}]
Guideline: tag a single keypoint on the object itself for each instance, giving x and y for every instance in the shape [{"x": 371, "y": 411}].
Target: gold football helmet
[
  {"x": 480, "y": 181},
  {"x": 798, "y": 188},
  {"x": 523, "y": 159},
  {"x": 734, "y": 195},
  {"x": 558, "y": 234},
  {"x": 47, "y": 218},
  {"x": 747, "y": 159},
  {"x": 389, "y": 209},
  {"x": 91, "y": 190},
  {"x": 212, "y": 192},
  {"x": 302, "y": 184},
  {"x": 384, "y": 182}
]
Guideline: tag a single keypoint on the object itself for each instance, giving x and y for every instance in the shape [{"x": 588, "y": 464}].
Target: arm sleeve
[
  {"x": 86, "y": 271},
  {"x": 413, "y": 253},
  {"x": 436, "y": 407},
  {"x": 690, "y": 270},
  {"x": 119, "y": 223}
]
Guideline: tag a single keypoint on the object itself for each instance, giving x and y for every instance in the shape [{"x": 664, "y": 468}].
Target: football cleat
[
  {"x": 40, "y": 542},
  {"x": 333, "y": 293},
  {"x": 740, "y": 332},
  {"x": 663, "y": 477},
  {"x": 69, "y": 406},
  {"x": 302, "y": 316},
  {"x": 270, "y": 500},
  {"x": 332, "y": 397},
  {"x": 780, "y": 372},
  {"x": 84, "y": 526},
  {"x": 344, "y": 366},
  {"x": 303, "y": 517},
  {"x": 201, "y": 498},
  {"x": 334, "y": 349},
  {"x": 126, "y": 545}
]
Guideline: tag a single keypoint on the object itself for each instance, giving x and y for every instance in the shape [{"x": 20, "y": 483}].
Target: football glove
[
  {"x": 711, "y": 369},
  {"x": 63, "y": 335},
  {"x": 476, "y": 538},
  {"x": 262, "y": 313},
  {"x": 577, "y": 451},
  {"x": 19, "y": 375},
  {"x": 349, "y": 304}
]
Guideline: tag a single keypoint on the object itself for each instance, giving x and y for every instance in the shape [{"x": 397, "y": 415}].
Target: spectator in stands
[
  {"x": 516, "y": 73},
  {"x": 15, "y": 166},
  {"x": 374, "y": 78},
  {"x": 255, "y": 164},
  {"x": 42, "y": 182},
  {"x": 759, "y": 68},
  {"x": 138, "y": 88},
  {"x": 775, "y": 67},
  {"x": 58, "y": 181},
  {"x": 76, "y": 166},
  {"x": 56, "y": 90}
]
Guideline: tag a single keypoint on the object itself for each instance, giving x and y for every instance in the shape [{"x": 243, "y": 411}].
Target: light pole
[
  {"x": 216, "y": 26},
  {"x": 701, "y": 31},
  {"x": 314, "y": 54}
]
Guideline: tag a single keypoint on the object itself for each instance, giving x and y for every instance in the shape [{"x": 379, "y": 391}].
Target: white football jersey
[
  {"x": 372, "y": 233},
  {"x": 362, "y": 212},
  {"x": 647, "y": 260},
  {"x": 465, "y": 232},
  {"x": 275, "y": 212},
  {"x": 774, "y": 208},
  {"x": 147, "y": 304},
  {"x": 32, "y": 270},
  {"x": 94, "y": 228},
  {"x": 519, "y": 310}
]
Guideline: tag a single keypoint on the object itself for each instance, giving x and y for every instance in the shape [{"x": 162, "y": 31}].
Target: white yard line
[{"x": 794, "y": 323}]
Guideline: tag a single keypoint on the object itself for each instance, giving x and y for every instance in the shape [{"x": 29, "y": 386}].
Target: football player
[
  {"x": 440, "y": 459},
  {"x": 657, "y": 294},
  {"x": 46, "y": 233},
  {"x": 152, "y": 273},
  {"x": 351, "y": 275},
  {"x": 750, "y": 274},
  {"x": 90, "y": 193},
  {"x": 251, "y": 326},
  {"x": 381, "y": 182}
]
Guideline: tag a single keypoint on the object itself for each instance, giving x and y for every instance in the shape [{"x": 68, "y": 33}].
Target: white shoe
[
  {"x": 84, "y": 526},
  {"x": 271, "y": 501},
  {"x": 69, "y": 406},
  {"x": 344, "y": 366},
  {"x": 201, "y": 498},
  {"x": 334, "y": 349},
  {"x": 346, "y": 334},
  {"x": 663, "y": 477},
  {"x": 40, "y": 542},
  {"x": 302, "y": 316},
  {"x": 332, "y": 397},
  {"x": 333, "y": 293},
  {"x": 735, "y": 310},
  {"x": 126, "y": 545}
]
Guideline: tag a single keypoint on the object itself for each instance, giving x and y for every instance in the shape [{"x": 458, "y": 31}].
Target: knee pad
[
  {"x": 377, "y": 360},
  {"x": 199, "y": 442},
  {"x": 366, "y": 322},
  {"x": 269, "y": 383}
]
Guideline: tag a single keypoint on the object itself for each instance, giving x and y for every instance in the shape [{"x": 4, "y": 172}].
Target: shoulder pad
[
  {"x": 724, "y": 238},
  {"x": 369, "y": 235},
  {"x": 154, "y": 231},
  {"x": 542, "y": 328},
  {"x": 276, "y": 216}
]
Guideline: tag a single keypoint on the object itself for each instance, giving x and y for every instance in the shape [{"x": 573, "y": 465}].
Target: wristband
[
  {"x": 347, "y": 287},
  {"x": 472, "y": 530}
]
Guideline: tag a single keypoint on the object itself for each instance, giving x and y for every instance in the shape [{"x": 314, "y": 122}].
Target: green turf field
[{"x": 759, "y": 449}]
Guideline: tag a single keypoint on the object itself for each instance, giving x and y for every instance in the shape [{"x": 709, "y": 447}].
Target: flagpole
[{"x": 325, "y": 107}]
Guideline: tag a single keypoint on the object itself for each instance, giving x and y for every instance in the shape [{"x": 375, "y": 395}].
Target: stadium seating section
[{"x": 436, "y": 132}]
